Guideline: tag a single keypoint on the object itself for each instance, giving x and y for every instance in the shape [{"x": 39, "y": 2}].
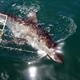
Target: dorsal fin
[{"x": 32, "y": 17}]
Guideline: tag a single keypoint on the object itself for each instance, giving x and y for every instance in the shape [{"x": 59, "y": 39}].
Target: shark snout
[{"x": 58, "y": 58}]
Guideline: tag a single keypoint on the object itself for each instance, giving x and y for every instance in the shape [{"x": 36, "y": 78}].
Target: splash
[
  {"x": 62, "y": 28},
  {"x": 24, "y": 10}
]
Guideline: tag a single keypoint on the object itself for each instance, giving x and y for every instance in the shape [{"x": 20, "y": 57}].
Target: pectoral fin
[{"x": 32, "y": 18}]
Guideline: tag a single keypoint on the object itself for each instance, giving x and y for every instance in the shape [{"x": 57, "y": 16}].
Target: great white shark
[{"x": 29, "y": 32}]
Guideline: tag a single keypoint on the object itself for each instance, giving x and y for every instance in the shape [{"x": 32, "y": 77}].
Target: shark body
[{"x": 29, "y": 32}]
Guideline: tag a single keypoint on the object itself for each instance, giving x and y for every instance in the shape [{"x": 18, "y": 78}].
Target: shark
[{"x": 29, "y": 32}]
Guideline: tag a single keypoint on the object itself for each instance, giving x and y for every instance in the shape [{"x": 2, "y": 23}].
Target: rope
[{"x": 16, "y": 49}]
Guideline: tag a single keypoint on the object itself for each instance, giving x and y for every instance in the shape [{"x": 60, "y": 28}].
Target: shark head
[
  {"x": 56, "y": 53},
  {"x": 57, "y": 57}
]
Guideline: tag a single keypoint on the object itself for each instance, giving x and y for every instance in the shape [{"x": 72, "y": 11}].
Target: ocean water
[{"x": 61, "y": 18}]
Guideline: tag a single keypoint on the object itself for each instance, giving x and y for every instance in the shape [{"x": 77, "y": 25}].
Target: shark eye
[{"x": 55, "y": 45}]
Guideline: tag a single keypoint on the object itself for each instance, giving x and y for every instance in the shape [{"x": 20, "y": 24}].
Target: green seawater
[{"x": 13, "y": 67}]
